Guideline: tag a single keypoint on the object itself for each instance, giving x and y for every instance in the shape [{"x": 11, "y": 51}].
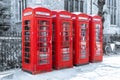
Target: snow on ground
[{"x": 109, "y": 69}]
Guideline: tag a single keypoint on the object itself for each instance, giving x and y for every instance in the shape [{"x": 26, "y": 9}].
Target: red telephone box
[
  {"x": 36, "y": 40},
  {"x": 62, "y": 39},
  {"x": 80, "y": 39},
  {"x": 96, "y": 34}
]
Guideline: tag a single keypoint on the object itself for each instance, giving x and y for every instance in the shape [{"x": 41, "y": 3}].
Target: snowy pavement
[{"x": 109, "y": 69}]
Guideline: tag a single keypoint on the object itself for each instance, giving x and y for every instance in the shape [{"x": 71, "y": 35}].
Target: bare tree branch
[{"x": 100, "y": 6}]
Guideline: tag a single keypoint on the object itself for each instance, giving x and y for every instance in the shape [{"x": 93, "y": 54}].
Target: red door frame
[
  {"x": 34, "y": 15},
  {"x": 95, "y": 20},
  {"x": 79, "y": 19},
  {"x": 58, "y": 18}
]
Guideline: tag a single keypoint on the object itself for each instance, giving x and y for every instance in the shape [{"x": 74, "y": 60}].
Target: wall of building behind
[
  {"x": 16, "y": 23},
  {"x": 112, "y": 29},
  {"x": 108, "y": 28},
  {"x": 89, "y": 8},
  {"x": 51, "y": 4}
]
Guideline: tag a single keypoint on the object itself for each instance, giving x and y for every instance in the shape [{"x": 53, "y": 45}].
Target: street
[{"x": 109, "y": 69}]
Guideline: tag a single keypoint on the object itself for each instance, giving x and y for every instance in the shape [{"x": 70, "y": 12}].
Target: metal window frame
[
  {"x": 112, "y": 10},
  {"x": 22, "y": 5},
  {"x": 72, "y": 8}
]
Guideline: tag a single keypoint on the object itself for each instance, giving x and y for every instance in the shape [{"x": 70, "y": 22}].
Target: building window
[
  {"x": 74, "y": 5},
  {"x": 22, "y": 6},
  {"x": 20, "y": 13},
  {"x": 112, "y": 10}
]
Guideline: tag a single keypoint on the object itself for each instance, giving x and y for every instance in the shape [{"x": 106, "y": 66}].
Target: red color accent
[
  {"x": 96, "y": 39},
  {"x": 37, "y": 40},
  {"x": 81, "y": 39},
  {"x": 62, "y": 39}
]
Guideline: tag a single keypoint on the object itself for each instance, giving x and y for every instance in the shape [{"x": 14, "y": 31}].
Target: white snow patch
[{"x": 109, "y": 69}]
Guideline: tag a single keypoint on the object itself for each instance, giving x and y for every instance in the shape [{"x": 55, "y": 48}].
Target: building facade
[{"x": 111, "y": 8}]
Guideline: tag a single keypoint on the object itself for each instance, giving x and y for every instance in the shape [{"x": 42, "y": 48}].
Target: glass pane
[
  {"x": 27, "y": 44},
  {"x": 43, "y": 44},
  {"x": 81, "y": 6},
  {"x": 66, "y": 4},
  {"x": 43, "y": 55},
  {"x": 44, "y": 61},
  {"x": 43, "y": 39},
  {"x": 76, "y": 6},
  {"x": 27, "y": 24},
  {"x": 66, "y": 41},
  {"x": 43, "y": 25},
  {"x": 27, "y": 33},
  {"x": 66, "y": 54},
  {"x": 65, "y": 33},
  {"x": 27, "y": 60},
  {"x": 98, "y": 50},
  {"x": 65, "y": 44},
  {"x": 114, "y": 3},
  {"x": 43, "y": 49},
  {"x": 43, "y": 22},
  {"x": 27, "y": 39},
  {"x": 66, "y": 26},
  {"x": 114, "y": 16},
  {"x": 27, "y": 55},
  {"x": 109, "y": 2},
  {"x": 43, "y": 28},
  {"x": 83, "y": 51},
  {"x": 27, "y": 27},
  {"x": 27, "y": 49},
  {"x": 43, "y": 33},
  {"x": 83, "y": 32},
  {"x": 98, "y": 32},
  {"x": 43, "y": 58},
  {"x": 71, "y": 5},
  {"x": 66, "y": 38}
]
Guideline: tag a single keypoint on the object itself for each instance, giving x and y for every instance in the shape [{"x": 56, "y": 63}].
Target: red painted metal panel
[
  {"x": 62, "y": 39},
  {"x": 81, "y": 39},
  {"x": 36, "y": 40},
  {"x": 96, "y": 39}
]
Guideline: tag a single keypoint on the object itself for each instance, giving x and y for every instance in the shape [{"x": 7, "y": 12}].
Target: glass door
[
  {"x": 43, "y": 42},
  {"x": 98, "y": 39},
  {"x": 83, "y": 40},
  {"x": 26, "y": 41},
  {"x": 66, "y": 40}
]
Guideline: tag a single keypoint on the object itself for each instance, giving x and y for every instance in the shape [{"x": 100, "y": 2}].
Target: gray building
[{"x": 112, "y": 24}]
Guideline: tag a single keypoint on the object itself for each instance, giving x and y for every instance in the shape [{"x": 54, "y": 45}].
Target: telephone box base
[
  {"x": 37, "y": 72},
  {"x": 81, "y": 64},
  {"x": 65, "y": 67},
  {"x": 95, "y": 61}
]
